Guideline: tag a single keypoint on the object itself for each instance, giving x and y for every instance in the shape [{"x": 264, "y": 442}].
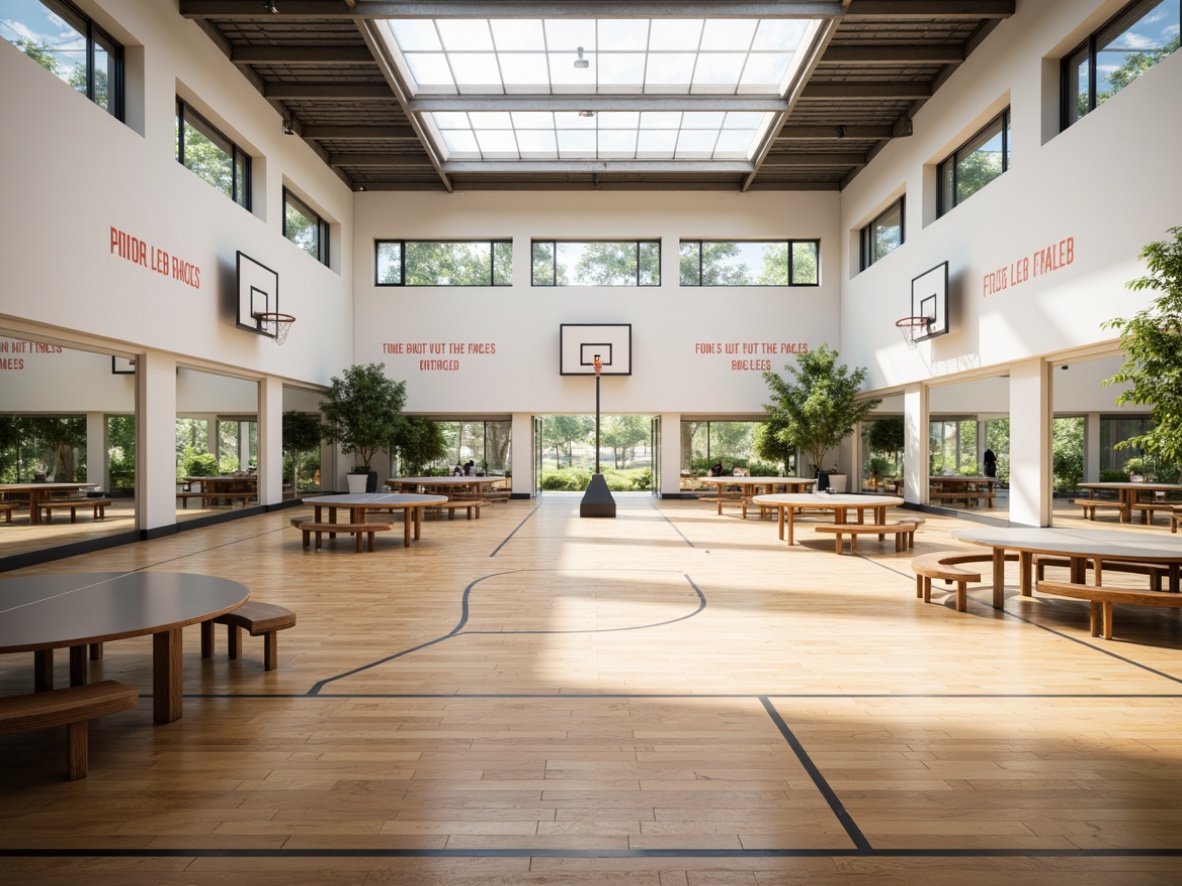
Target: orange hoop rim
[
  {"x": 273, "y": 317},
  {"x": 913, "y": 322}
]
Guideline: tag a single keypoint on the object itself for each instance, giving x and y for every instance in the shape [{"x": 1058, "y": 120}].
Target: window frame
[
  {"x": 94, "y": 36},
  {"x": 866, "y": 235},
  {"x": 790, "y": 243},
  {"x": 554, "y": 284},
  {"x": 322, "y": 227},
  {"x": 948, "y": 191},
  {"x": 492, "y": 263},
  {"x": 1085, "y": 53},
  {"x": 187, "y": 114}
]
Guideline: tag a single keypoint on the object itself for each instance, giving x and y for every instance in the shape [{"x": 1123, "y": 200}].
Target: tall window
[
  {"x": 68, "y": 44},
  {"x": 975, "y": 163},
  {"x": 304, "y": 227},
  {"x": 883, "y": 235},
  {"x": 597, "y": 263},
  {"x": 444, "y": 263},
  {"x": 1140, "y": 36},
  {"x": 205, "y": 151},
  {"x": 751, "y": 263}
]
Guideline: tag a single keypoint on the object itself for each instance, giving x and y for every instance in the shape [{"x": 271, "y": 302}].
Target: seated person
[
  {"x": 469, "y": 468},
  {"x": 716, "y": 469}
]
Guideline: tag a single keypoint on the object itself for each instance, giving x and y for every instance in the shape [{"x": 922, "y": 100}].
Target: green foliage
[
  {"x": 1067, "y": 452},
  {"x": 887, "y": 435},
  {"x": 622, "y": 434},
  {"x": 818, "y": 405},
  {"x": 1152, "y": 469},
  {"x": 1152, "y": 341},
  {"x": 363, "y": 411},
  {"x": 997, "y": 438},
  {"x": 577, "y": 480},
  {"x": 121, "y": 451},
  {"x": 880, "y": 467},
  {"x": 419, "y": 441},
  {"x": 198, "y": 463},
  {"x": 769, "y": 445},
  {"x": 564, "y": 431},
  {"x": 1113, "y": 476},
  {"x": 301, "y": 431},
  {"x": 566, "y": 480}
]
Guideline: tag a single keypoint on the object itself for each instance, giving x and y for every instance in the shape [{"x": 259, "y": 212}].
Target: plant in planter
[
  {"x": 817, "y": 406},
  {"x": 419, "y": 442},
  {"x": 362, "y": 414},
  {"x": 301, "y": 433}
]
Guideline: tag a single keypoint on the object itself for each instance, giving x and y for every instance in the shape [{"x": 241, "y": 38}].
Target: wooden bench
[
  {"x": 1101, "y": 600},
  {"x": 71, "y": 708},
  {"x": 1090, "y": 505},
  {"x": 99, "y": 505},
  {"x": 467, "y": 504},
  {"x": 185, "y": 496},
  {"x": 903, "y": 531},
  {"x": 969, "y": 498},
  {"x": 6, "y": 508},
  {"x": 1149, "y": 509},
  {"x": 1175, "y": 518},
  {"x": 265, "y": 619},
  {"x": 307, "y": 527},
  {"x": 1156, "y": 573},
  {"x": 946, "y": 565}
]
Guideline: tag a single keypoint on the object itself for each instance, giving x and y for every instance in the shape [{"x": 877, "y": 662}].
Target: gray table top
[
  {"x": 70, "y": 609},
  {"x": 757, "y": 481},
  {"x": 825, "y": 500},
  {"x": 1110, "y": 543},
  {"x": 376, "y": 500}
]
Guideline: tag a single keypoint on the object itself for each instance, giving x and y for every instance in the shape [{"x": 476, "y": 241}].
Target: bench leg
[
  {"x": 234, "y": 641},
  {"x": 78, "y": 669},
  {"x": 1106, "y": 612},
  {"x": 1094, "y": 618},
  {"x": 853, "y": 544},
  {"x": 271, "y": 649},
  {"x": 962, "y": 596},
  {"x": 918, "y": 586},
  {"x": 307, "y": 537},
  {"x": 74, "y": 515},
  {"x": 357, "y": 535},
  {"x": 43, "y": 670},
  {"x": 96, "y": 651},
  {"x": 927, "y": 589},
  {"x": 76, "y": 749},
  {"x": 372, "y": 535}
]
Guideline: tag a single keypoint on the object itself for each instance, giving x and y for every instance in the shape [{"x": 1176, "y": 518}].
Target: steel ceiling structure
[{"x": 322, "y": 66}]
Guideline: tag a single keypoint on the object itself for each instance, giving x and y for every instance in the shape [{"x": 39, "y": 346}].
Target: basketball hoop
[
  {"x": 913, "y": 329},
  {"x": 275, "y": 325}
]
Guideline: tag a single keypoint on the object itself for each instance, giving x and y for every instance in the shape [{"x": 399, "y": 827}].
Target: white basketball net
[
  {"x": 913, "y": 329},
  {"x": 276, "y": 325}
]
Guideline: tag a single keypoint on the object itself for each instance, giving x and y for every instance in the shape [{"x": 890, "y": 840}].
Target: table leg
[
  {"x": 34, "y": 507},
  {"x": 999, "y": 578},
  {"x": 791, "y": 516},
  {"x": 1026, "y": 571},
  {"x": 780, "y": 520},
  {"x": 1173, "y": 576},
  {"x": 1077, "y": 570},
  {"x": 406, "y": 525},
  {"x": 720, "y": 499},
  {"x": 78, "y": 665},
  {"x": 43, "y": 670},
  {"x": 167, "y": 685},
  {"x": 418, "y": 518}
]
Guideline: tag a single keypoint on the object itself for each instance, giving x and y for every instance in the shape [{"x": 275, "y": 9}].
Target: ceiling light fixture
[
  {"x": 270, "y": 7},
  {"x": 287, "y": 130},
  {"x": 581, "y": 63},
  {"x": 586, "y": 113}
]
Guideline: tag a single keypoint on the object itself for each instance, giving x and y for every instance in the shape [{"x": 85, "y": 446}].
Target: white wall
[
  {"x": 1109, "y": 182},
  {"x": 71, "y": 172},
  {"x": 522, "y": 322}
]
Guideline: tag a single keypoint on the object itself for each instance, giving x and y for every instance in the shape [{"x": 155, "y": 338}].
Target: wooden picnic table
[
  {"x": 38, "y": 491},
  {"x": 751, "y": 486},
  {"x": 842, "y": 504}
]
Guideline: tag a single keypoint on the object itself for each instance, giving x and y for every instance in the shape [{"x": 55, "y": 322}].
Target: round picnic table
[
  {"x": 1077, "y": 545},
  {"x": 751, "y": 485},
  {"x": 358, "y": 504},
  {"x": 787, "y": 504}
]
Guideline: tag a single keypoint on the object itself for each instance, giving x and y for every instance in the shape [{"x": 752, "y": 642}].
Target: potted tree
[
  {"x": 419, "y": 442},
  {"x": 362, "y": 414},
  {"x": 301, "y": 433},
  {"x": 817, "y": 406}
]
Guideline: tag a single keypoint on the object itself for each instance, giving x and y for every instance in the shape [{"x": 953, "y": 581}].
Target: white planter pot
[
  {"x": 837, "y": 482},
  {"x": 356, "y": 482}
]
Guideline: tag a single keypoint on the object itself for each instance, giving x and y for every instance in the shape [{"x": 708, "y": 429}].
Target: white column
[
  {"x": 1030, "y": 444},
  {"x": 1092, "y": 447},
  {"x": 270, "y": 468},
  {"x": 155, "y": 440},
  {"x": 96, "y": 450},
  {"x": 522, "y": 455},
  {"x": 915, "y": 444},
  {"x": 670, "y": 454}
]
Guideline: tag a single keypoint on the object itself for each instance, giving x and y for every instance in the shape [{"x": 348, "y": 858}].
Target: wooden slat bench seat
[
  {"x": 1175, "y": 518},
  {"x": 466, "y": 504},
  {"x": 1102, "y": 599},
  {"x": 970, "y": 499},
  {"x": 1156, "y": 573},
  {"x": 1149, "y": 509},
  {"x": 946, "y": 565},
  {"x": 183, "y": 498},
  {"x": 71, "y": 708},
  {"x": 904, "y": 532},
  {"x": 307, "y": 527},
  {"x": 1091, "y": 505},
  {"x": 259, "y": 619},
  {"x": 98, "y": 504},
  {"x": 6, "y": 508}
]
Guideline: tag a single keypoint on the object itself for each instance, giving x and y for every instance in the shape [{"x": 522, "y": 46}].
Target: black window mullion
[{"x": 701, "y": 266}]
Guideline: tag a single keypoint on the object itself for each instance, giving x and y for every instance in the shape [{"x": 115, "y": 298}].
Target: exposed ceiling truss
[{"x": 320, "y": 65}]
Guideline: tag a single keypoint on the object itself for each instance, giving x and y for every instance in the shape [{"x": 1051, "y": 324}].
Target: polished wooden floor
[{"x": 669, "y": 697}]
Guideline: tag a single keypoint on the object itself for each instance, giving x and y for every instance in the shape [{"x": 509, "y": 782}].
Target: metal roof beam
[
  {"x": 299, "y": 55},
  {"x": 541, "y": 167},
  {"x": 441, "y": 103},
  {"x": 820, "y": 159},
  {"x": 945, "y": 9},
  {"x": 827, "y": 132},
  {"x": 328, "y": 91},
  {"x": 892, "y": 53},
  {"x": 288, "y": 10},
  {"x": 379, "y": 160},
  {"x": 351, "y": 132},
  {"x": 853, "y": 90}
]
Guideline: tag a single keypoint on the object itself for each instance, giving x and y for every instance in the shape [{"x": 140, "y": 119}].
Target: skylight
[{"x": 647, "y": 64}]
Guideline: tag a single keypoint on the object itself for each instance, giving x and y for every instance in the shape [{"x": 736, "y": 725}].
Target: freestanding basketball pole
[{"x": 597, "y": 500}]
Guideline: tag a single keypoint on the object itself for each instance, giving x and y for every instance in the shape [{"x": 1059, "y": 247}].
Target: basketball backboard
[
  {"x": 258, "y": 293},
  {"x": 929, "y": 298},
  {"x": 579, "y": 344}
]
